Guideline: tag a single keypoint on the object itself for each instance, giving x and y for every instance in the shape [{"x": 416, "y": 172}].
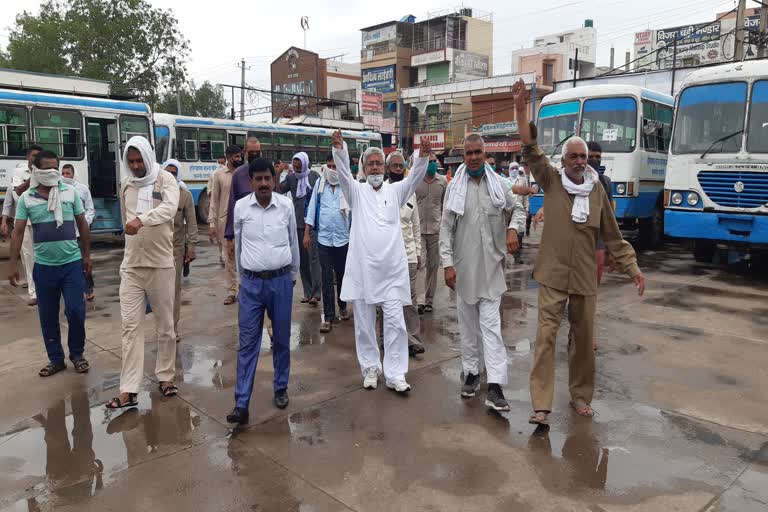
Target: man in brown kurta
[
  {"x": 566, "y": 267},
  {"x": 221, "y": 184}
]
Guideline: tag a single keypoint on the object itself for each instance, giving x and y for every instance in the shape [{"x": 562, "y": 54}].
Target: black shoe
[
  {"x": 415, "y": 349},
  {"x": 420, "y": 309},
  {"x": 495, "y": 398},
  {"x": 238, "y": 416},
  {"x": 471, "y": 385},
  {"x": 281, "y": 399},
  {"x": 185, "y": 270}
]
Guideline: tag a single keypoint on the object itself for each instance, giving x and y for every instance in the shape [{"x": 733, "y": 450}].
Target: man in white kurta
[
  {"x": 376, "y": 237},
  {"x": 474, "y": 238}
]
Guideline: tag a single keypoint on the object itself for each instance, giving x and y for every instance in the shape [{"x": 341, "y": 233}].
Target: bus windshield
[
  {"x": 757, "y": 136},
  {"x": 556, "y": 122},
  {"x": 162, "y": 142},
  {"x": 706, "y": 113},
  {"x": 612, "y": 122}
]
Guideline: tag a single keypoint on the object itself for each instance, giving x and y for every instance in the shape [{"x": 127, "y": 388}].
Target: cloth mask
[
  {"x": 375, "y": 180},
  {"x": 395, "y": 177},
  {"x": 432, "y": 168}
]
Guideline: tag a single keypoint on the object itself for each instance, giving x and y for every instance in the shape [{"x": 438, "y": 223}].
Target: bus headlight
[
  {"x": 621, "y": 189},
  {"x": 677, "y": 199},
  {"x": 693, "y": 199}
]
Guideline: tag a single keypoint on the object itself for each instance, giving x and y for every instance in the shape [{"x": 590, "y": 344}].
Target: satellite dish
[{"x": 305, "y": 22}]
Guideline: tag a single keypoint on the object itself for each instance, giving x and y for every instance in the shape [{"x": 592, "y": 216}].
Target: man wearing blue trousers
[{"x": 267, "y": 258}]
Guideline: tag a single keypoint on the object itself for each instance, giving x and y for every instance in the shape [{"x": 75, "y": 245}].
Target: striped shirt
[{"x": 53, "y": 245}]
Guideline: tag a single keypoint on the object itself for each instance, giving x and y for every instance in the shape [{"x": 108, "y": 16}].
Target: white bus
[
  {"x": 716, "y": 193},
  {"x": 87, "y": 132},
  {"x": 633, "y": 126},
  {"x": 197, "y": 143}
]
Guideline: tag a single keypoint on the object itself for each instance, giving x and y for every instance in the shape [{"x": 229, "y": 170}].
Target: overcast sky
[{"x": 224, "y": 31}]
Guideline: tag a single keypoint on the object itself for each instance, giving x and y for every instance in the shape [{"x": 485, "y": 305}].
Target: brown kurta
[
  {"x": 566, "y": 260},
  {"x": 221, "y": 183},
  {"x": 184, "y": 222}
]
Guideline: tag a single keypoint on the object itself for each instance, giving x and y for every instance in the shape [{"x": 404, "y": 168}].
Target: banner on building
[
  {"x": 436, "y": 138},
  {"x": 498, "y": 128},
  {"x": 422, "y": 59},
  {"x": 503, "y": 146},
  {"x": 643, "y": 38},
  {"x": 470, "y": 64},
  {"x": 372, "y": 102},
  {"x": 306, "y": 88},
  {"x": 381, "y": 79},
  {"x": 380, "y": 35},
  {"x": 698, "y": 33}
]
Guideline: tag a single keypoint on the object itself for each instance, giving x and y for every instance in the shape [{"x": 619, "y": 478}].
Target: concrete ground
[{"x": 682, "y": 425}]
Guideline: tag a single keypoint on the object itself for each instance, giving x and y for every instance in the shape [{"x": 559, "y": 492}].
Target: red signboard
[
  {"x": 503, "y": 146},
  {"x": 436, "y": 138},
  {"x": 372, "y": 102}
]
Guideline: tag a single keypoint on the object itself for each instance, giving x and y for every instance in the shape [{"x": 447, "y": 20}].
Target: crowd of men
[{"x": 360, "y": 233}]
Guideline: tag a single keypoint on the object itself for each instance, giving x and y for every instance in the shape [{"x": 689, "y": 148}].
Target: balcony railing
[
  {"x": 438, "y": 43},
  {"x": 370, "y": 53}
]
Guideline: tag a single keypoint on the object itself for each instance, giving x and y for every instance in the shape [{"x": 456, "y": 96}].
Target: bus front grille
[{"x": 735, "y": 189}]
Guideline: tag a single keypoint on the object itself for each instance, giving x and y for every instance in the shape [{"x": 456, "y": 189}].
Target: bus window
[
  {"x": 14, "y": 123},
  {"x": 612, "y": 122},
  {"x": 556, "y": 122},
  {"x": 237, "y": 139},
  {"x": 285, "y": 139},
  {"x": 707, "y": 113},
  {"x": 264, "y": 137},
  {"x": 352, "y": 147},
  {"x": 664, "y": 131},
  {"x": 162, "y": 141},
  {"x": 213, "y": 144},
  {"x": 324, "y": 143},
  {"x": 649, "y": 126},
  {"x": 757, "y": 141},
  {"x": 307, "y": 142},
  {"x": 375, "y": 143},
  {"x": 186, "y": 141},
  {"x": 60, "y": 131},
  {"x": 133, "y": 126}
]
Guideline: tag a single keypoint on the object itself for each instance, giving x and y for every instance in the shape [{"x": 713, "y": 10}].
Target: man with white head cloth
[
  {"x": 149, "y": 199},
  {"x": 474, "y": 238},
  {"x": 377, "y": 266},
  {"x": 577, "y": 213}
]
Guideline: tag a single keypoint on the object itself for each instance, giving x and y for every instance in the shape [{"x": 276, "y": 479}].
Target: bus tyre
[
  {"x": 652, "y": 230},
  {"x": 203, "y": 202},
  {"x": 703, "y": 251}
]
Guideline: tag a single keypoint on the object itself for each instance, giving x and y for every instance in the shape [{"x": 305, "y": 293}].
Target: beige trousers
[
  {"x": 28, "y": 259},
  {"x": 137, "y": 284},
  {"x": 178, "y": 259},
  {"x": 581, "y": 355},
  {"x": 430, "y": 257},
  {"x": 229, "y": 266}
]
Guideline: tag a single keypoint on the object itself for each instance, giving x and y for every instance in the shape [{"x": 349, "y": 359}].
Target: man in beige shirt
[
  {"x": 149, "y": 198},
  {"x": 578, "y": 211},
  {"x": 429, "y": 196},
  {"x": 184, "y": 237},
  {"x": 221, "y": 184}
]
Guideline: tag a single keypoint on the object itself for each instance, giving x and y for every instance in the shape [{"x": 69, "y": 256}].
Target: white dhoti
[
  {"x": 480, "y": 329},
  {"x": 395, "y": 338}
]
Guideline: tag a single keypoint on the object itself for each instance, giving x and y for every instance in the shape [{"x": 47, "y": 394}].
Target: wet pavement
[{"x": 681, "y": 387}]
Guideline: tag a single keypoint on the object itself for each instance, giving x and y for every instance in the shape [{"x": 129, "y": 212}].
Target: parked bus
[
  {"x": 199, "y": 142},
  {"x": 87, "y": 132},
  {"x": 716, "y": 192},
  {"x": 633, "y": 126}
]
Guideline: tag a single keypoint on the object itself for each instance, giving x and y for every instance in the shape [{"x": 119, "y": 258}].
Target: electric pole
[
  {"x": 738, "y": 54},
  {"x": 763, "y": 27},
  {"x": 242, "y": 90}
]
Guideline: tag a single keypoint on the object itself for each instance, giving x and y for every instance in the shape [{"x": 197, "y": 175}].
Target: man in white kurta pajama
[{"x": 376, "y": 237}]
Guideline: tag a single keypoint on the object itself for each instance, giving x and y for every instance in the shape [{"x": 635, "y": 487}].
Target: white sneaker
[
  {"x": 371, "y": 378},
  {"x": 399, "y": 386}
]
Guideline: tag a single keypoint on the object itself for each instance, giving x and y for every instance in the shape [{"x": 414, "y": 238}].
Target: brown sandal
[
  {"x": 231, "y": 299},
  {"x": 582, "y": 408},
  {"x": 539, "y": 418},
  {"x": 116, "y": 403},
  {"x": 169, "y": 390}
]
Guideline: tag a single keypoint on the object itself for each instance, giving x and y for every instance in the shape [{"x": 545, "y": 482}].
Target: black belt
[{"x": 267, "y": 274}]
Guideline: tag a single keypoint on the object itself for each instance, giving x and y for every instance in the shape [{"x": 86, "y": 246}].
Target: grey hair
[
  {"x": 370, "y": 151},
  {"x": 571, "y": 141},
  {"x": 474, "y": 137},
  {"x": 395, "y": 154}
]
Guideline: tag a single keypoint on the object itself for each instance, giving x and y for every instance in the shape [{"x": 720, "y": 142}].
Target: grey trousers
[{"x": 311, "y": 272}]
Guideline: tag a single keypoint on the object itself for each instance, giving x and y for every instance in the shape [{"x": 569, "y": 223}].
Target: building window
[{"x": 548, "y": 72}]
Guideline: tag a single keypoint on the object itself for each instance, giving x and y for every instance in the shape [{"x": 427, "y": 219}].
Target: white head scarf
[
  {"x": 457, "y": 190},
  {"x": 49, "y": 178},
  {"x": 146, "y": 183},
  {"x": 177, "y": 165},
  {"x": 303, "y": 175}
]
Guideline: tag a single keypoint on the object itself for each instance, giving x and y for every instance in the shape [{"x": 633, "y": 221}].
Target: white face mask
[
  {"x": 375, "y": 180},
  {"x": 68, "y": 181},
  {"x": 332, "y": 176}
]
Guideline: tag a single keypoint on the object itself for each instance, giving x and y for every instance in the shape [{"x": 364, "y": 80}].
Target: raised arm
[
  {"x": 407, "y": 187},
  {"x": 541, "y": 169},
  {"x": 346, "y": 180}
]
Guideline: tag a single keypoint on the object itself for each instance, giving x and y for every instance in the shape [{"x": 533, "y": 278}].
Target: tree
[
  {"x": 136, "y": 47},
  {"x": 204, "y": 101}
]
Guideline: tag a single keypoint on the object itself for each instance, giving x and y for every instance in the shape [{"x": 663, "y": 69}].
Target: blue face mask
[
  {"x": 476, "y": 173},
  {"x": 432, "y": 168}
]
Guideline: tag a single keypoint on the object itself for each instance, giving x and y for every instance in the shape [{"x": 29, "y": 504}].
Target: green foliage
[
  {"x": 204, "y": 101},
  {"x": 135, "y": 46}
]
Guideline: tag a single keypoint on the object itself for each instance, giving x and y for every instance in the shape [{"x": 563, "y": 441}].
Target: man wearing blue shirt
[
  {"x": 267, "y": 258},
  {"x": 328, "y": 214}
]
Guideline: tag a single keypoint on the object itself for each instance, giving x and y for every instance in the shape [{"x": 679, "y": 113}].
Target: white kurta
[{"x": 377, "y": 266}]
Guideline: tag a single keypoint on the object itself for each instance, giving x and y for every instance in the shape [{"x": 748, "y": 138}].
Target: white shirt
[
  {"x": 85, "y": 197},
  {"x": 377, "y": 266},
  {"x": 265, "y": 238}
]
